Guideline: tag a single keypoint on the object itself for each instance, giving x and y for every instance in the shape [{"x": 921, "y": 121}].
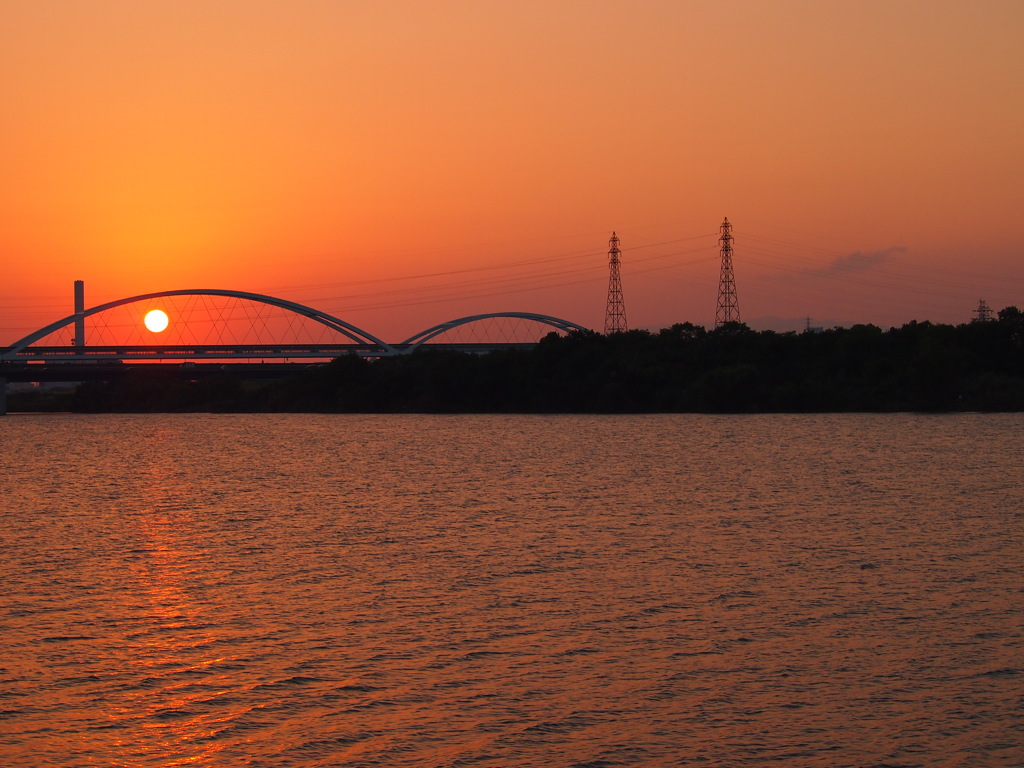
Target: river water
[{"x": 303, "y": 590}]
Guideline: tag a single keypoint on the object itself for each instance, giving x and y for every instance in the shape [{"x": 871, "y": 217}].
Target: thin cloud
[{"x": 857, "y": 262}]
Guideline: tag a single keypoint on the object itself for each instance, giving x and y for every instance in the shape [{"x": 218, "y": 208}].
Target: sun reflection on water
[{"x": 177, "y": 697}]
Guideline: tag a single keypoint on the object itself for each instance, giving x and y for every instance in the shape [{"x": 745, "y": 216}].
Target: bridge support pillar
[
  {"x": 3, "y": 396},
  {"x": 79, "y": 313}
]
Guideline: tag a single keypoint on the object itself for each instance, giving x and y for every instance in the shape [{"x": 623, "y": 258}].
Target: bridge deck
[{"x": 263, "y": 361}]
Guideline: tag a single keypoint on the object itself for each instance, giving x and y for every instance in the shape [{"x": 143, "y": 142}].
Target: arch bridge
[{"x": 251, "y": 334}]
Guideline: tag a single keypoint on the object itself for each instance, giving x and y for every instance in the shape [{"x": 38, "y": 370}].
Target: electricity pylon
[
  {"x": 728, "y": 310},
  {"x": 615, "y": 314}
]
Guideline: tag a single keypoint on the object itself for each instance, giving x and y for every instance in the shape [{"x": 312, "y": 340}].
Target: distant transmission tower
[
  {"x": 728, "y": 309},
  {"x": 615, "y": 315},
  {"x": 983, "y": 313}
]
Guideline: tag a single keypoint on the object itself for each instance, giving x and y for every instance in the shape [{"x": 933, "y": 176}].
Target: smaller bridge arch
[{"x": 415, "y": 341}]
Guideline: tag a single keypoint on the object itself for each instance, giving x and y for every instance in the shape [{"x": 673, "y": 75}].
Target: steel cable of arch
[
  {"x": 589, "y": 254},
  {"x": 442, "y": 328},
  {"x": 458, "y": 294},
  {"x": 316, "y": 315}
]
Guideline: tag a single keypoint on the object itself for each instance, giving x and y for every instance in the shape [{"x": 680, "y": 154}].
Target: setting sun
[
  {"x": 156, "y": 320},
  {"x": 357, "y": 157}
]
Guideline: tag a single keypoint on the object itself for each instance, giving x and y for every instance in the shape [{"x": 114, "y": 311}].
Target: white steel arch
[{"x": 423, "y": 336}]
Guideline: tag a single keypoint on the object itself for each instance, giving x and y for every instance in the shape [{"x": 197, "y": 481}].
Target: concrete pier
[{"x": 79, "y": 313}]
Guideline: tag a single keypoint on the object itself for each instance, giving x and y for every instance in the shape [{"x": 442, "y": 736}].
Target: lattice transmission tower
[
  {"x": 728, "y": 310},
  {"x": 983, "y": 314},
  {"x": 615, "y": 314}
]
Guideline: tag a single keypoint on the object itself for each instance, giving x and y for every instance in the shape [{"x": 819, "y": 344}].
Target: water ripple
[{"x": 592, "y": 592}]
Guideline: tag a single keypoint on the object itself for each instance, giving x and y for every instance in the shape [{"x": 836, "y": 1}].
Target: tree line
[{"x": 919, "y": 366}]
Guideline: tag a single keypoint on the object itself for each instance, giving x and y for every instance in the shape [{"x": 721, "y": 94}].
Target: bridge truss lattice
[{"x": 212, "y": 324}]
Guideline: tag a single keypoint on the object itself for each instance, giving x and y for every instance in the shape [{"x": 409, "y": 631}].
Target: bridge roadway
[
  {"x": 264, "y": 361},
  {"x": 24, "y": 361}
]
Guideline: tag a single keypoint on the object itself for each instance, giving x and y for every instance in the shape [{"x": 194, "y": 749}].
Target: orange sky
[{"x": 335, "y": 153}]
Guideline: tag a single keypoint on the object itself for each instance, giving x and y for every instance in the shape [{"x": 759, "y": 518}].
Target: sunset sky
[{"x": 401, "y": 163}]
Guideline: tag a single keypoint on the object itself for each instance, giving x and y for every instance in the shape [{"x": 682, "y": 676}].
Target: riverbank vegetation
[{"x": 686, "y": 368}]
